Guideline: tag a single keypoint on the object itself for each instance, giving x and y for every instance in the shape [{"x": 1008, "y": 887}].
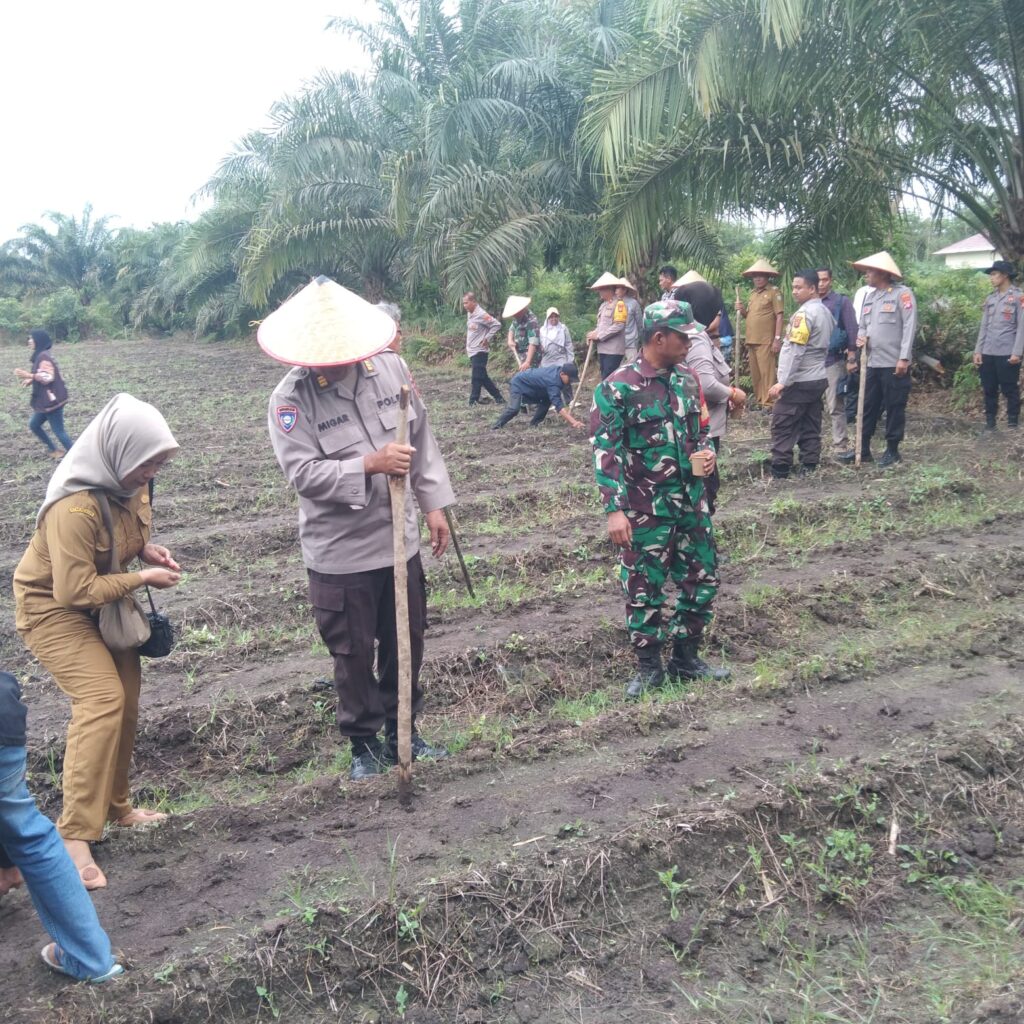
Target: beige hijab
[{"x": 125, "y": 434}]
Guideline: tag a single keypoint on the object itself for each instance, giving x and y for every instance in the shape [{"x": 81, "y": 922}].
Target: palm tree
[
  {"x": 75, "y": 254},
  {"x": 825, "y": 112}
]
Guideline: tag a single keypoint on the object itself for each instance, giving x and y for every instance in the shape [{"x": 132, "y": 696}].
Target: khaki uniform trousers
[
  {"x": 104, "y": 689},
  {"x": 763, "y": 368}
]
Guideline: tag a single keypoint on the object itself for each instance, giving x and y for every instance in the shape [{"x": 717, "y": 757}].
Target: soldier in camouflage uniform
[{"x": 648, "y": 418}]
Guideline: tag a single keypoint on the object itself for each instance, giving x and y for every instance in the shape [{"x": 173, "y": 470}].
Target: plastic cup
[{"x": 698, "y": 463}]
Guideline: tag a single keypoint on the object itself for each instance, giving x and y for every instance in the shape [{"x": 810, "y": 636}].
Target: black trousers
[
  {"x": 608, "y": 364},
  {"x": 352, "y": 611},
  {"x": 482, "y": 379},
  {"x": 999, "y": 374},
  {"x": 883, "y": 390},
  {"x": 796, "y": 420}
]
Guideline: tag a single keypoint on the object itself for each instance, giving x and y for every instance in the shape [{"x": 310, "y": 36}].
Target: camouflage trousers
[{"x": 682, "y": 550}]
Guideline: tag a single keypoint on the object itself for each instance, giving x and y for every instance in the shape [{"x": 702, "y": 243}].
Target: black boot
[
  {"x": 851, "y": 456},
  {"x": 891, "y": 456},
  {"x": 369, "y": 758},
  {"x": 421, "y": 749},
  {"x": 650, "y": 674},
  {"x": 687, "y": 664}
]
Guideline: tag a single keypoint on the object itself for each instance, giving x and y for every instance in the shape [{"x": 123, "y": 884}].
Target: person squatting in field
[
  {"x": 333, "y": 422},
  {"x": 32, "y": 854},
  {"x": 542, "y": 388},
  {"x": 60, "y": 585},
  {"x": 647, "y": 421}
]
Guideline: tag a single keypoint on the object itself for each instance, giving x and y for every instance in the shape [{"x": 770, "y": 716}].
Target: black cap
[
  {"x": 1003, "y": 266},
  {"x": 569, "y": 369}
]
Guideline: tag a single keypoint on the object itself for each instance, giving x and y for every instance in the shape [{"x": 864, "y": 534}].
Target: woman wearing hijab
[
  {"x": 59, "y": 586},
  {"x": 49, "y": 395},
  {"x": 555, "y": 341}
]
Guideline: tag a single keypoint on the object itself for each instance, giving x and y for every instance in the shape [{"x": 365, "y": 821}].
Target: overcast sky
[{"x": 131, "y": 106}]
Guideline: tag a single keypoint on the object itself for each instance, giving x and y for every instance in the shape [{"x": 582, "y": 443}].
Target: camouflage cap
[{"x": 671, "y": 314}]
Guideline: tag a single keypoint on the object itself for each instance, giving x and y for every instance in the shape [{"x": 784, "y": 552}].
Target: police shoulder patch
[
  {"x": 907, "y": 299},
  {"x": 287, "y": 417}
]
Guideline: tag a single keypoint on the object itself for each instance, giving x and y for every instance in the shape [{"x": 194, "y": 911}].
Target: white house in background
[{"x": 972, "y": 253}]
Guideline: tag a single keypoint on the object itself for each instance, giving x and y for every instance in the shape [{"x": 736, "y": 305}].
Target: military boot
[
  {"x": 421, "y": 749},
  {"x": 890, "y": 457},
  {"x": 687, "y": 664},
  {"x": 650, "y": 674}
]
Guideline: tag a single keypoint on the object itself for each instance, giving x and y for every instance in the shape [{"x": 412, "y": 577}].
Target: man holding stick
[
  {"x": 888, "y": 322},
  {"x": 332, "y": 423}
]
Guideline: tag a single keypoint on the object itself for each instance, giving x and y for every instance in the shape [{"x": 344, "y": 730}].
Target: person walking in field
[
  {"x": 524, "y": 331},
  {"x": 1000, "y": 346},
  {"x": 763, "y": 314},
  {"x": 49, "y": 394},
  {"x": 610, "y": 332},
  {"x": 888, "y": 322},
  {"x": 32, "y": 854},
  {"x": 649, "y": 428},
  {"x": 98, "y": 497},
  {"x": 332, "y": 422},
  {"x": 796, "y": 415},
  {"x": 481, "y": 327}
]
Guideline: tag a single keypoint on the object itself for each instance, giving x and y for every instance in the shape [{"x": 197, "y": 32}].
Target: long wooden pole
[
  {"x": 861, "y": 391},
  {"x": 738, "y": 361},
  {"x": 583, "y": 374},
  {"x": 396, "y": 485},
  {"x": 458, "y": 551}
]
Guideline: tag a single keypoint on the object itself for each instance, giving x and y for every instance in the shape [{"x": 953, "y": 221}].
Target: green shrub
[
  {"x": 948, "y": 314},
  {"x": 62, "y": 314},
  {"x": 14, "y": 320}
]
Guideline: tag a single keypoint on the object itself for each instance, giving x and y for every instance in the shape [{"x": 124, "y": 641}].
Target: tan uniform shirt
[
  {"x": 762, "y": 308},
  {"x": 611, "y": 328},
  {"x": 889, "y": 319},
  {"x": 65, "y": 564},
  {"x": 1002, "y": 324},
  {"x": 321, "y": 433}
]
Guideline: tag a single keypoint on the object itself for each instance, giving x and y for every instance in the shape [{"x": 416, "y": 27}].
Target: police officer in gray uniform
[
  {"x": 332, "y": 423},
  {"x": 888, "y": 321},
  {"x": 796, "y": 414},
  {"x": 1001, "y": 344}
]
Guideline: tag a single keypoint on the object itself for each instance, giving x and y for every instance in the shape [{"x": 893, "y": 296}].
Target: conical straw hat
[
  {"x": 325, "y": 325},
  {"x": 515, "y": 304},
  {"x": 690, "y": 277},
  {"x": 761, "y": 267},
  {"x": 879, "y": 261},
  {"x": 606, "y": 280},
  {"x": 626, "y": 283}
]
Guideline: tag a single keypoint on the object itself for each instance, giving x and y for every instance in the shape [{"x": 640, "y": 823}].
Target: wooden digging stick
[
  {"x": 396, "y": 485},
  {"x": 738, "y": 361},
  {"x": 583, "y": 374},
  {"x": 861, "y": 391}
]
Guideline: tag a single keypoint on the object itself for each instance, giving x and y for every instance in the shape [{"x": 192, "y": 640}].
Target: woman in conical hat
[{"x": 610, "y": 332}]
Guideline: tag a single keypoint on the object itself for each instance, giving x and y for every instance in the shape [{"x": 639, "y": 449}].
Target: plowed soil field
[{"x": 835, "y": 835}]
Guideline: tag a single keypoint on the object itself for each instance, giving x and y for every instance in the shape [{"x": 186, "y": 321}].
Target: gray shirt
[
  {"x": 888, "y": 318},
  {"x": 634, "y": 325},
  {"x": 555, "y": 345},
  {"x": 1002, "y": 324},
  {"x": 480, "y": 328},
  {"x": 806, "y": 344},
  {"x": 705, "y": 359},
  {"x": 611, "y": 328},
  {"x": 322, "y": 431}
]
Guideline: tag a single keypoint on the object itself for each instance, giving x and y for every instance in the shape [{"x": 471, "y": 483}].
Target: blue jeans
[
  {"x": 63, "y": 905},
  {"x": 56, "y": 418}
]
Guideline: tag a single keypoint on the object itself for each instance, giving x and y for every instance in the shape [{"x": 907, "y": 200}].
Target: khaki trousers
[
  {"x": 762, "y": 370},
  {"x": 836, "y": 373},
  {"x": 104, "y": 689}
]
